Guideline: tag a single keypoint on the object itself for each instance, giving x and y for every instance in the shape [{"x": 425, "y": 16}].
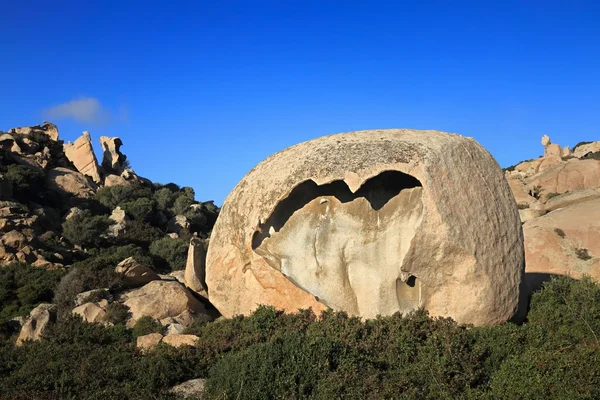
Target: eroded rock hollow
[
  {"x": 347, "y": 248},
  {"x": 371, "y": 223}
]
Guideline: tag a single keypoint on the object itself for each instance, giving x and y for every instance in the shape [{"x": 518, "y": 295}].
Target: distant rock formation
[
  {"x": 81, "y": 154},
  {"x": 113, "y": 159},
  {"x": 371, "y": 222}
]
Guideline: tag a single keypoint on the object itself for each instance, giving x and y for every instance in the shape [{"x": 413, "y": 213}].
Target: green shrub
[
  {"x": 117, "y": 313},
  {"x": 142, "y": 209},
  {"x": 28, "y": 182},
  {"x": 146, "y": 325},
  {"x": 170, "y": 253},
  {"x": 139, "y": 233},
  {"x": 113, "y": 196},
  {"x": 22, "y": 287},
  {"x": 182, "y": 204},
  {"x": 86, "y": 230},
  {"x": 269, "y": 354}
]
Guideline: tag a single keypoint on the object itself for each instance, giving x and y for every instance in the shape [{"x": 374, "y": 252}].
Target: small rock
[
  {"x": 179, "y": 340},
  {"x": 134, "y": 273},
  {"x": 147, "y": 342},
  {"x": 193, "y": 388},
  {"x": 92, "y": 313},
  {"x": 14, "y": 239},
  {"x": 38, "y": 320}
]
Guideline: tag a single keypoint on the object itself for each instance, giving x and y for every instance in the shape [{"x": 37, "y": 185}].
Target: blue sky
[{"x": 201, "y": 91}]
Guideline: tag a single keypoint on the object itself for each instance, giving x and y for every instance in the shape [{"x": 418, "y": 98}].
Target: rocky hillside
[
  {"x": 119, "y": 241},
  {"x": 558, "y": 196}
]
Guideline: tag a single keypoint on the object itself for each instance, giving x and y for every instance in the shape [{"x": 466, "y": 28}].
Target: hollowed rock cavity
[{"x": 347, "y": 248}]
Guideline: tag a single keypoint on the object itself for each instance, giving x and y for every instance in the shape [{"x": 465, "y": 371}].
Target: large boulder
[
  {"x": 134, "y": 273},
  {"x": 371, "y": 222},
  {"x": 71, "y": 182},
  {"x": 81, "y": 154},
  {"x": 38, "y": 320},
  {"x": 160, "y": 300}
]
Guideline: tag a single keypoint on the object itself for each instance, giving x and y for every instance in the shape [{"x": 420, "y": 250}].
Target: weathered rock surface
[
  {"x": 587, "y": 148},
  {"x": 113, "y": 159},
  {"x": 563, "y": 242},
  {"x": 120, "y": 219},
  {"x": 192, "y": 389},
  {"x": 81, "y": 154},
  {"x": 36, "y": 323},
  {"x": 147, "y": 342},
  {"x": 135, "y": 274},
  {"x": 519, "y": 190},
  {"x": 178, "y": 340},
  {"x": 67, "y": 181},
  {"x": 46, "y": 128},
  {"x": 161, "y": 299},
  {"x": 371, "y": 222},
  {"x": 567, "y": 177},
  {"x": 92, "y": 313},
  {"x": 195, "y": 267},
  {"x": 529, "y": 213},
  {"x": 570, "y": 198}
]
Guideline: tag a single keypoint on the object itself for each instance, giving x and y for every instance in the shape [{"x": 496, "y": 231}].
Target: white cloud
[{"x": 85, "y": 109}]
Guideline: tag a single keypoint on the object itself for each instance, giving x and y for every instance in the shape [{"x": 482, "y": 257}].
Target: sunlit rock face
[
  {"x": 371, "y": 223},
  {"x": 347, "y": 249}
]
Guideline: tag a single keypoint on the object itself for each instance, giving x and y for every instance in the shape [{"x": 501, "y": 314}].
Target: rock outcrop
[
  {"x": 47, "y": 128},
  {"x": 371, "y": 222},
  {"x": 113, "y": 159},
  {"x": 195, "y": 267},
  {"x": 36, "y": 323},
  {"x": 81, "y": 154}
]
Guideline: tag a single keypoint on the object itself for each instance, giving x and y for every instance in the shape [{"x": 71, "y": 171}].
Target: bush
[
  {"x": 170, "y": 253},
  {"x": 145, "y": 326},
  {"x": 270, "y": 354},
  {"x": 22, "y": 287},
  {"x": 142, "y": 209},
  {"x": 86, "y": 230},
  {"x": 139, "y": 233},
  {"x": 95, "y": 272},
  {"x": 28, "y": 182},
  {"x": 117, "y": 313},
  {"x": 113, "y": 196}
]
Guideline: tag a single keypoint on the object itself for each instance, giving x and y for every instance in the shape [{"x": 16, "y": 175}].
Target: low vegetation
[{"x": 554, "y": 355}]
